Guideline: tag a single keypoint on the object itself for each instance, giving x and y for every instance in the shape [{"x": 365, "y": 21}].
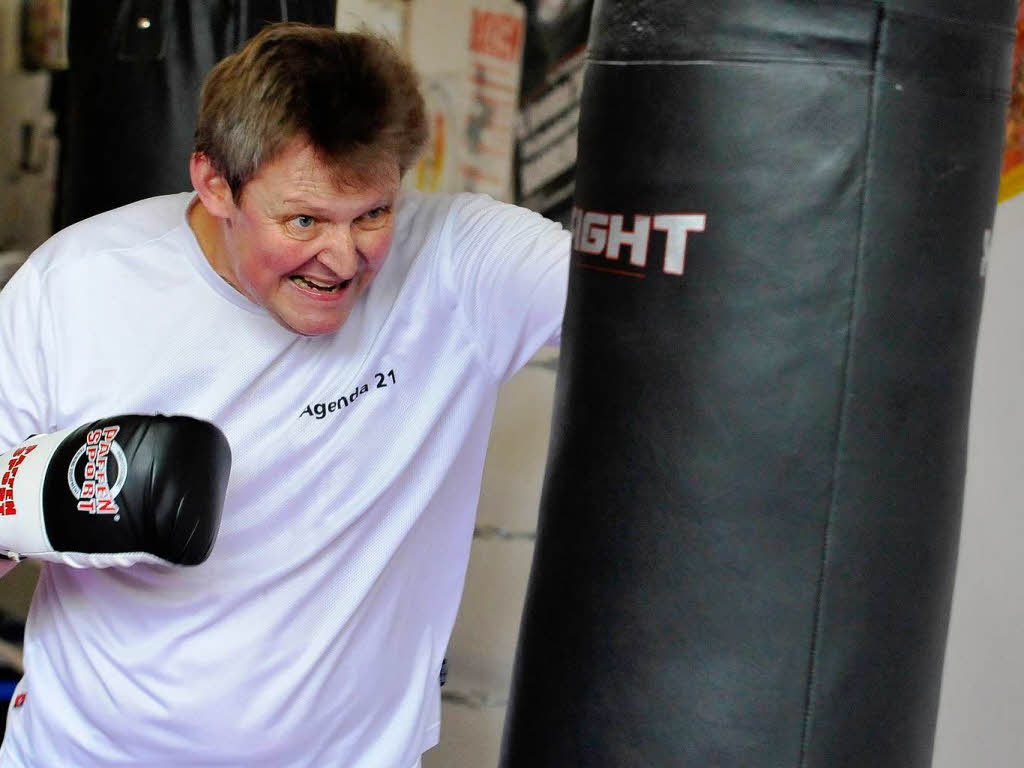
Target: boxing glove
[{"x": 115, "y": 492}]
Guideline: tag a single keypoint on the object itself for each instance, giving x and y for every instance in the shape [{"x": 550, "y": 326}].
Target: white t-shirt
[{"x": 314, "y": 634}]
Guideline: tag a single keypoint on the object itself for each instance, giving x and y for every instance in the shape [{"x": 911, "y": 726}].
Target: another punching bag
[
  {"x": 129, "y": 102},
  {"x": 749, "y": 524}
]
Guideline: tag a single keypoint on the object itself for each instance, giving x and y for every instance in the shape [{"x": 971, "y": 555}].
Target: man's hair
[{"x": 350, "y": 93}]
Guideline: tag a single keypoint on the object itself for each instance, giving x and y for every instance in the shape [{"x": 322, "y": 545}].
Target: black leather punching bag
[{"x": 750, "y": 516}]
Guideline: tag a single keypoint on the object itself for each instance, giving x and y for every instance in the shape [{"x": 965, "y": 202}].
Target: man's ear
[{"x": 213, "y": 189}]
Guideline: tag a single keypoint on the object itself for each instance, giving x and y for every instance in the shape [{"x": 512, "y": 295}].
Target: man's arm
[{"x": 509, "y": 270}]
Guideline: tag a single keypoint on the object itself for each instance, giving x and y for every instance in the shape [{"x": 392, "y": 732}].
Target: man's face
[{"x": 302, "y": 247}]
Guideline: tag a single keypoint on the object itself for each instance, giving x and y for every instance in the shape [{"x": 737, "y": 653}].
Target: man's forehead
[
  {"x": 299, "y": 169},
  {"x": 313, "y": 175},
  {"x": 322, "y": 188},
  {"x": 326, "y": 192}
]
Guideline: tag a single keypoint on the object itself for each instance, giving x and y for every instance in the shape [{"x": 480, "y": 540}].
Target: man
[{"x": 349, "y": 340}]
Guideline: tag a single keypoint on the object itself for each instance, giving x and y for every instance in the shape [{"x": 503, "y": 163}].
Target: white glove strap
[
  {"x": 22, "y": 470},
  {"x": 22, "y": 524},
  {"x": 103, "y": 560}
]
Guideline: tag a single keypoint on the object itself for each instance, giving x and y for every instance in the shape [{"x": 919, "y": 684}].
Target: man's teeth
[{"x": 325, "y": 287}]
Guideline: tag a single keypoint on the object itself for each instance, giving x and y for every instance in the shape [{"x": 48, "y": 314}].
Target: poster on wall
[
  {"x": 44, "y": 34},
  {"x": 553, "y": 65},
  {"x": 1012, "y": 180},
  {"x": 470, "y": 69}
]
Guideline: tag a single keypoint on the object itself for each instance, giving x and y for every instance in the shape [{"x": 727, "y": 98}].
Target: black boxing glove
[{"x": 115, "y": 492}]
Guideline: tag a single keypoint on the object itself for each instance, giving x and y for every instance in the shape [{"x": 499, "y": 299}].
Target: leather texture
[
  {"x": 765, "y": 453},
  {"x": 172, "y": 488}
]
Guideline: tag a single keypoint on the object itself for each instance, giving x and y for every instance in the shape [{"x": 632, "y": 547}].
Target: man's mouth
[{"x": 316, "y": 285}]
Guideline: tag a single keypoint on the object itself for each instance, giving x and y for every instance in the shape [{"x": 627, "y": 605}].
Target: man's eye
[
  {"x": 303, "y": 222},
  {"x": 376, "y": 213}
]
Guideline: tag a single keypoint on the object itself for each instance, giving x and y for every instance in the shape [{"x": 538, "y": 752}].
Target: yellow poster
[{"x": 1012, "y": 180}]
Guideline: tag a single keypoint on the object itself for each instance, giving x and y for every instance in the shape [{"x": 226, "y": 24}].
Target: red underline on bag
[{"x": 609, "y": 269}]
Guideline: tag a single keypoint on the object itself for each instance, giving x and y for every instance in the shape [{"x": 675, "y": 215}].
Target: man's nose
[{"x": 339, "y": 253}]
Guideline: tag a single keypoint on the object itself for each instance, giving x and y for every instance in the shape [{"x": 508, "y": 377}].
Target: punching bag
[
  {"x": 128, "y": 104},
  {"x": 750, "y": 516}
]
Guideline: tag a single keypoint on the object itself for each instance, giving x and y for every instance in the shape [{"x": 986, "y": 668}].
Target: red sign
[{"x": 496, "y": 34}]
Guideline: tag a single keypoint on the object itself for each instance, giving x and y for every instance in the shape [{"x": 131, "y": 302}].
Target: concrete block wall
[
  {"x": 16, "y": 589},
  {"x": 28, "y": 146},
  {"x": 482, "y": 647}
]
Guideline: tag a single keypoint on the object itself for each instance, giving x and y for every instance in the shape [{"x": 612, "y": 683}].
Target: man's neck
[
  {"x": 205, "y": 228},
  {"x": 211, "y": 240}
]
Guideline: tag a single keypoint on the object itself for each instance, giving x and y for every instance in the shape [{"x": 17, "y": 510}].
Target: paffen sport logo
[{"x": 96, "y": 491}]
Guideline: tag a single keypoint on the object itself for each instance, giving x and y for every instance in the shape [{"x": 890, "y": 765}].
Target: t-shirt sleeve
[
  {"x": 24, "y": 402},
  {"x": 509, "y": 269}
]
